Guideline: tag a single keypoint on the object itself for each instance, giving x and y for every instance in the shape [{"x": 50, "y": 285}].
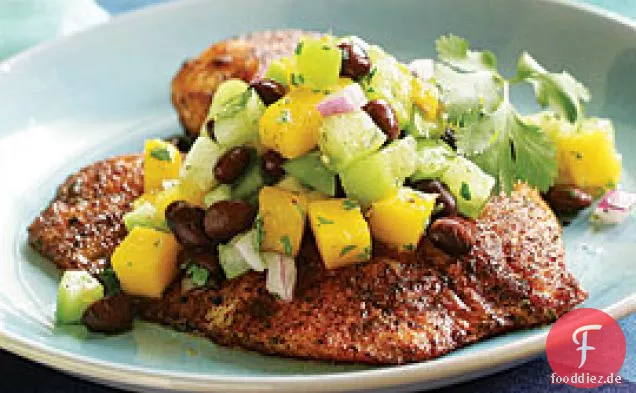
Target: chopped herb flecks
[
  {"x": 465, "y": 191},
  {"x": 347, "y": 249},
  {"x": 299, "y": 48},
  {"x": 161, "y": 154},
  {"x": 287, "y": 246},
  {"x": 409, "y": 247},
  {"x": 324, "y": 221},
  {"x": 198, "y": 274},
  {"x": 349, "y": 204}
]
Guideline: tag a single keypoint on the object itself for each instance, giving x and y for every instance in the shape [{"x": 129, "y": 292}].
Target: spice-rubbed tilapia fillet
[
  {"x": 83, "y": 225},
  {"x": 389, "y": 310},
  {"x": 245, "y": 57},
  {"x": 396, "y": 309}
]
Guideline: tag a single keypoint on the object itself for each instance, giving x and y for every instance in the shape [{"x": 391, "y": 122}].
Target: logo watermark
[{"x": 586, "y": 348}]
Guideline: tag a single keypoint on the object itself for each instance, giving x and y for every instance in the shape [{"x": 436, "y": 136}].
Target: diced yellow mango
[
  {"x": 400, "y": 220},
  {"x": 587, "y": 155},
  {"x": 426, "y": 97},
  {"x": 162, "y": 161},
  {"x": 290, "y": 125},
  {"x": 146, "y": 262},
  {"x": 283, "y": 215},
  {"x": 341, "y": 233}
]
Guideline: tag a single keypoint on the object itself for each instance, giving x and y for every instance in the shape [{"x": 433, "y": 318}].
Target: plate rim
[{"x": 439, "y": 370}]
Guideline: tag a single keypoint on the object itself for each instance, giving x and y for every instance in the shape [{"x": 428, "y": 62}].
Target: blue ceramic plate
[{"x": 100, "y": 93}]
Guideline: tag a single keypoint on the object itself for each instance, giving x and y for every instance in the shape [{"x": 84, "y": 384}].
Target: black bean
[
  {"x": 444, "y": 196},
  {"x": 209, "y": 127},
  {"x": 453, "y": 235},
  {"x": 111, "y": 314},
  {"x": 384, "y": 117},
  {"x": 567, "y": 200},
  {"x": 272, "y": 165},
  {"x": 181, "y": 142},
  {"x": 269, "y": 90},
  {"x": 186, "y": 222},
  {"x": 226, "y": 219},
  {"x": 355, "y": 61},
  {"x": 232, "y": 164}
]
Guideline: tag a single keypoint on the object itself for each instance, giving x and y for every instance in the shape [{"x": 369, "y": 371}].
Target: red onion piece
[{"x": 346, "y": 100}]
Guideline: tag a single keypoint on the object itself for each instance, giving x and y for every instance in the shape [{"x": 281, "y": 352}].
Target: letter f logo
[{"x": 584, "y": 347}]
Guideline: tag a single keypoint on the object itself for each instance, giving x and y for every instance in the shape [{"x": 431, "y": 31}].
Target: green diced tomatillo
[
  {"x": 470, "y": 186},
  {"x": 347, "y": 137},
  {"x": 77, "y": 291},
  {"x": 381, "y": 174},
  {"x": 248, "y": 185},
  {"x": 434, "y": 157},
  {"x": 317, "y": 63},
  {"x": 310, "y": 171}
]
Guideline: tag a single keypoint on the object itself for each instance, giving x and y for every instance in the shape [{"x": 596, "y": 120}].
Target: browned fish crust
[
  {"x": 83, "y": 225},
  {"x": 396, "y": 309},
  {"x": 245, "y": 57}
]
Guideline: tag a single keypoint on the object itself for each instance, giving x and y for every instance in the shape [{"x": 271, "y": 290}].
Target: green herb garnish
[
  {"x": 409, "y": 247},
  {"x": 161, "y": 154},
  {"x": 198, "y": 274},
  {"x": 349, "y": 204},
  {"x": 299, "y": 48},
  {"x": 490, "y": 131},
  {"x": 465, "y": 191},
  {"x": 347, "y": 249},
  {"x": 287, "y": 246},
  {"x": 109, "y": 279},
  {"x": 325, "y": 221}
]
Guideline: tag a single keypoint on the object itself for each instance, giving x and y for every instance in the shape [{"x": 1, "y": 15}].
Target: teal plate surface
[{"x": 100, "y": 93}]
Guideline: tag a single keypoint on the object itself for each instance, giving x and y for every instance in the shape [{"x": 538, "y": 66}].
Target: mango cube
[
  {"x": 341, "y": 233},
  {"x": 588, "y": 157},
  {"x": 162, "y": 161},
  {"x": 282, "y": 215},
  {"x": 290, "y": 125},
  {"x": 146, "y": 262},
  {"x": 400, "y": 220}
]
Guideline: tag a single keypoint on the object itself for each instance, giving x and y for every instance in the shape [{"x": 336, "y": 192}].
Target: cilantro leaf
[
  {"x": 456, "y": 52},
  {"x": 507, "y": 148},
  {"x": 559, "y": 91},
  {"x": 110, "y": 281},
  {"x": 199, "y": 275},
  {"x": 467, "y": 95}
]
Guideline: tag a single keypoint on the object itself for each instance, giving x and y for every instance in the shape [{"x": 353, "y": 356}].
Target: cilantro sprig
[{"x": 489, "y": 130}]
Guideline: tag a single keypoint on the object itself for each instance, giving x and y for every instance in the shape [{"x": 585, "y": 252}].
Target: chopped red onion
[
  {"x": 346, "y": 100},
  {"x": 614, "y": 207},
  {"x": 281, "y": 275}
]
